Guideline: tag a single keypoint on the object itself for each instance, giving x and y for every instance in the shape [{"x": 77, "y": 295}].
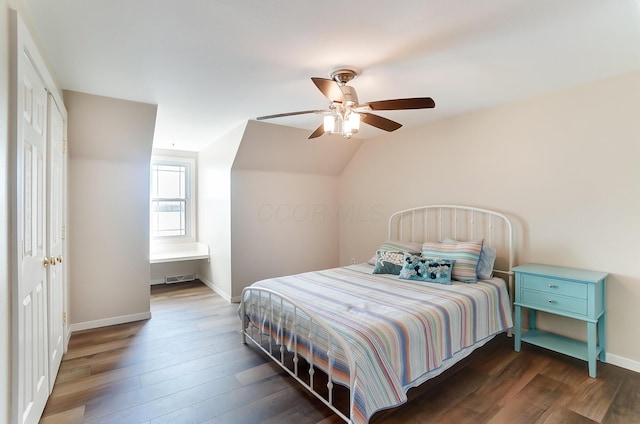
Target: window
[{"x": 172, "y": 206}]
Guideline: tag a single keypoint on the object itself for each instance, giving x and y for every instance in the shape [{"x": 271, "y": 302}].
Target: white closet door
[
  {"x": 55, "y": 222},
  {"x": 32, "y": 348}
]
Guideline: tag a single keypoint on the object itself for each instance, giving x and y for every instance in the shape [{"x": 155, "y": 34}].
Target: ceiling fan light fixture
[
  {"x": 352, "y": 123},
  {"x": 342, "y": 122}
]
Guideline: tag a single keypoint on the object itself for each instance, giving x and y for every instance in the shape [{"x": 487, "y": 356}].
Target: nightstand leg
[
  {"x": 518, "y": 327},
  {"x": 591, "y": 348},
  {"x": 602, "y": 339},
  {"x": 532, "y": 319}
]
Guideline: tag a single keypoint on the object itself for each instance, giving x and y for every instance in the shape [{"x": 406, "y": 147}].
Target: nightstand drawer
[
  {"x": 553, "y": 286},
  {"x": 553, "y": 301}
]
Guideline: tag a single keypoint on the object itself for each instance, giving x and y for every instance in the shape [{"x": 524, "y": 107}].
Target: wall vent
[{"x": 179, "y": 278}]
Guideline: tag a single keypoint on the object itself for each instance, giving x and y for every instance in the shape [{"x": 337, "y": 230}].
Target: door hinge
[
  {"x": 64, "y": 146},
  {"x": 64, "y": 318},
  {"x": 64, "y": 232}
]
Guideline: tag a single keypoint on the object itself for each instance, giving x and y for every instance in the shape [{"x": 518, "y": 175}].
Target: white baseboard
[
  {"x": 222, "y": 294},
  {"x": 623, "y": 362},
  {"x": 87, "y": 325}
]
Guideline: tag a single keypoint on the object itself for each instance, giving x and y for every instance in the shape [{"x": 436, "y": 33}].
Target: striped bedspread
[{"x": 398, "y": 330}]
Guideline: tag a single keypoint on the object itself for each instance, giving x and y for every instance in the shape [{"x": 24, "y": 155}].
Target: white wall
[
  {"x": 214, "y": 209},
  {"x": 109, "y": 170},
  {"x": 5, "y": 311},
  {"x": 171, "y": 269},
  {"x": 563, "y": 165}
]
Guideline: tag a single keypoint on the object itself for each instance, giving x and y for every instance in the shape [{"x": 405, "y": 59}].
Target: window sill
[{"x": 176, "y": 252}]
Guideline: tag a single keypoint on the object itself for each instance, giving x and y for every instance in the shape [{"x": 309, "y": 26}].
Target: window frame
[{"x": 190, "y": 198}]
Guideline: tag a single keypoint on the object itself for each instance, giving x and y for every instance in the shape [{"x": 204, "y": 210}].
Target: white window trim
[{"x": 191, "y": 198}]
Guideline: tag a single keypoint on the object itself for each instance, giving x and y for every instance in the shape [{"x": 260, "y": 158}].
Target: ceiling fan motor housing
[{"x": 350, "y": 96}]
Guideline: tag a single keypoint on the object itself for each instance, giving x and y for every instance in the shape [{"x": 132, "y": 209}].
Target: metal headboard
[{"x": 463, "y": 223}]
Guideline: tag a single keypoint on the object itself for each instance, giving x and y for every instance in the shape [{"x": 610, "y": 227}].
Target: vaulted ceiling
[{"x": 211, "y": 65}]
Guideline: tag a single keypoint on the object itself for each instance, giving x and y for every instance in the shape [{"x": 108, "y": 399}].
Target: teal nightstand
[{"x": 568, "y": 292}]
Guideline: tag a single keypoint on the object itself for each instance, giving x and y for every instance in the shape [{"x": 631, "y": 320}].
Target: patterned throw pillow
[
  {"x": 439, "y": 270},
  {"x": 465, "y": 254},
  {"x": 388, "y": 262},
  {"x": 432, "y": 270},
  {"x": 401, "y": 246},
  {"x": 388, "y": 258}
]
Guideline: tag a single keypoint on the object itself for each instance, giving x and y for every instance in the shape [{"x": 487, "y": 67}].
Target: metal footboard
[{"x": 291, "y": 335}]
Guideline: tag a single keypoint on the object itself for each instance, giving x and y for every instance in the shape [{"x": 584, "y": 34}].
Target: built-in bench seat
[{"x": 175, "y": 252}]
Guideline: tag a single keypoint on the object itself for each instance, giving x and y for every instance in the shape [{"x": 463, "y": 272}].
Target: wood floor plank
[
  {"x": 531, "y": 402},
  {"x": 187, "y": 364},
  {"x": 625, "y": 407},
  {"x": 561, "y": 415},
  {"x": 221, "y": 374},
  {"x": 227, "y": 362},
  {"x": 69, "y": 416},
  {"x": 88, "y": 392},
  {"x": 162, "y": 398},
  {"x": 211, "y": 407},
  {"x": 267, "y": 408},
  {"x": 257, "y": 373}
]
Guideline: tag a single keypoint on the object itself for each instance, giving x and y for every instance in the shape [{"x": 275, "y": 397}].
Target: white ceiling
[{"x": 210, "y": 65}]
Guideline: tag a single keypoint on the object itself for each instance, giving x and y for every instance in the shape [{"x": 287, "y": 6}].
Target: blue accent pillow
[
  {"x": 432, "y": 270},
  {"x": 487, "y": 260},
  {"x": 388, "y": 262}
]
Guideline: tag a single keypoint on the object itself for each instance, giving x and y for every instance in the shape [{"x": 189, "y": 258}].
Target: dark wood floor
[{"x": 187, "y": 365}]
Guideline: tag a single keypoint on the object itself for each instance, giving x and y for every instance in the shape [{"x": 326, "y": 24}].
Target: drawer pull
[
  {"x": 553, "y": 286},
  {"x": 550, "y": 301}
]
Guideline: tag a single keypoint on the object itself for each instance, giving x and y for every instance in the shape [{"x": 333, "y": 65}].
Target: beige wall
[
  {"x": 282, "y": 223},
  {"x": 284, "y": 202},
  {"x": 5, "y": 311},
  {"x": 264, "y": 192},
  {"x": 564, "y": 166},
  {"x": 109, "y": 158}
]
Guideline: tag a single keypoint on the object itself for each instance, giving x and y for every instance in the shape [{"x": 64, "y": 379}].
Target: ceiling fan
[{"x": 345, "y": 113}]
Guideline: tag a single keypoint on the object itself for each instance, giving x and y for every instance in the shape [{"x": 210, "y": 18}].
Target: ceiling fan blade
[
  {"x": 329, "y": 88},
  {"x": 318, "y": 132},
  {"x": 379, "y": 122},
  {"x": 280, "y": 115},
  {"x": 401, "y": 104}
]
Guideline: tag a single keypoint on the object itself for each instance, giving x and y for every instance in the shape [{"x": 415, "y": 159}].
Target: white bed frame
[{"x": 420, "y": 224}]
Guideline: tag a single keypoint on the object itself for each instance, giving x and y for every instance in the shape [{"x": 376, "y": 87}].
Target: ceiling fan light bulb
[
  {"x": 354, "y": 122},
  {"x": 339, "y": 124},
  {"x": 329, "y": 124}
]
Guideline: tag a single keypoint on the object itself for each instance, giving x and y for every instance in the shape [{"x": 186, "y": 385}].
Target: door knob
[
  {"x": 45, "y": 262},
  {"x": 59, "y": 259}
]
